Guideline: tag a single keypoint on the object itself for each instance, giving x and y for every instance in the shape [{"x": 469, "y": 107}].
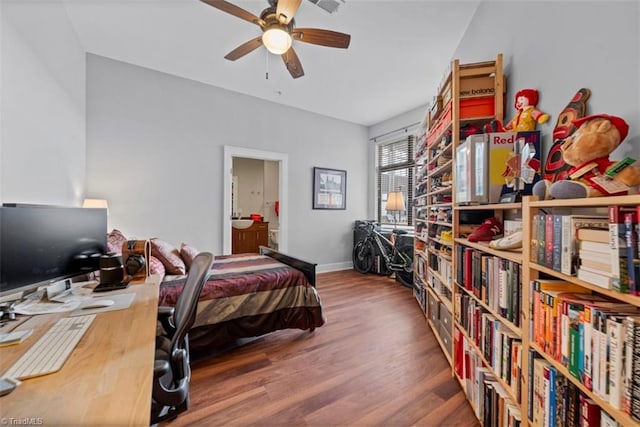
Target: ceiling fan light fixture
[{"x": 276, "y": 40}]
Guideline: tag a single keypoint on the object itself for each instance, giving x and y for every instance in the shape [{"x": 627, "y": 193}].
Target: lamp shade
[
  {"x": 395, "y": 202},
  {"x": 96, "y": 204},
  {"x": 276, "y": 40}
]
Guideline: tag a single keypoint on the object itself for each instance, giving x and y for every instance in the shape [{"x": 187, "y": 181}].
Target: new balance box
[{"x": 477, "y": 86}]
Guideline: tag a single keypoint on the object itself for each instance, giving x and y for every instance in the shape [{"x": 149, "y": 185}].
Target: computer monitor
[{"x": 42, "y": 244}]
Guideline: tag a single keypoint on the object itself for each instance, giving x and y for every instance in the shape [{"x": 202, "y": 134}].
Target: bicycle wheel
[
  {"x": 405, "y": 276},
  {"x": 363, "y": 256}
]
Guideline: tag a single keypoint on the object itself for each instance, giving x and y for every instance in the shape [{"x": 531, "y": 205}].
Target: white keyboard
[{"x": 52, "y": 349}]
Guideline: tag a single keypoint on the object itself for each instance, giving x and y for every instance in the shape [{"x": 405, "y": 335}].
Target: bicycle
[{"x": 397, "y": 257}]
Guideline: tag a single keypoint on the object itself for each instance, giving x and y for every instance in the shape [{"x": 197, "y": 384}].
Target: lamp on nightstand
[{"x": 395, "y": 204}]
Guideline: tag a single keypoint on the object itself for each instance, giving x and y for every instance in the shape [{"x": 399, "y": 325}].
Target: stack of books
[{"x": 594, "y": 254}]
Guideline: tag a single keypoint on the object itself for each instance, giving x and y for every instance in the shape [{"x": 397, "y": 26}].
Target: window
[{"x": 394, "y": 168}]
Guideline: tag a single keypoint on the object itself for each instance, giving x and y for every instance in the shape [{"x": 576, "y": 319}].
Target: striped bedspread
[{"x": 248, "y": 295}]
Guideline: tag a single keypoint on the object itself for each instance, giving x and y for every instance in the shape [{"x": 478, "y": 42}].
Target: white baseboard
[{"x": 337, "y": 266}]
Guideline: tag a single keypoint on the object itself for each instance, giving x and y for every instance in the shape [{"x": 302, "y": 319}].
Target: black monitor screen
[{"x": 42, "y": 243}]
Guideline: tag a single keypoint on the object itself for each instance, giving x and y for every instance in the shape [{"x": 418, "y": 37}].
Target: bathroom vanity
[{"x": 247, "y": 240}]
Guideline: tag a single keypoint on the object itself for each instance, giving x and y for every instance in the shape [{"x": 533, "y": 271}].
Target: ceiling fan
[{"x": 278, "y": 32}]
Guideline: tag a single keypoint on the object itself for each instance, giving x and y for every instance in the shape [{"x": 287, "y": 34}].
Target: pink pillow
[
  {"x": 188, "y": 253},
  {"x": 156, "y": 266},
  {"x": 168, "y": 255},
  {"x": 115, "y": 240}
]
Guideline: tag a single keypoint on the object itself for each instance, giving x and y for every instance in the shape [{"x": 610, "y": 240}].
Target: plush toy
[
  {"x": 587, "y": 151},
  {"x": 527, "y": 116}
]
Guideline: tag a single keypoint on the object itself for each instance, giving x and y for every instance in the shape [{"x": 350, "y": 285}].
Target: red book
[{"x": 589, "y": 412}]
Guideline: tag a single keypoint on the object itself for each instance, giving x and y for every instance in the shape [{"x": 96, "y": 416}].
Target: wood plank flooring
[{"x": 375, "y": 362}]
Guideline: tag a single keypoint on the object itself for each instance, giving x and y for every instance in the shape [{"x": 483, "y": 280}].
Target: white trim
[
  {"x": 283, "y": 192},
  {"x": 337, "y": 266}
]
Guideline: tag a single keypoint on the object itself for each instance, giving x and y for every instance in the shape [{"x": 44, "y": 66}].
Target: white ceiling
[{"x": 399, "y": 50}]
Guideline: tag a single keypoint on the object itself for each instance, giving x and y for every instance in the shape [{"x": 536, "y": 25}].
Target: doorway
[{"x": 281, "y": 159}]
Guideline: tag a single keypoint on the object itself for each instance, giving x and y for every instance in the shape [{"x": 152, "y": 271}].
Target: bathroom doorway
[{"x": 257, "y": 198}]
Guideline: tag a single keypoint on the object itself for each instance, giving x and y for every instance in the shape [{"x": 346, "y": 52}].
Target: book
[
  {"x": 541, "y": 238},
  {"x": 592, "y": 265},
  {"x": 593, "y": 235},
  {"x": 561, "y": 400},
  {"x": 589, "y": 412},
  {"x": 594, "y": 256},
  {"x": 14, "y": 337},
  {"x": 557, "y": 243},
  {"x": 602, "y": 248},
  {"x": 539, "y": 366},
  {"x": 615, "y": 338},
  {"x": 548, "y": 239},
  {"x": 607, "y": 420},
  {"x": 633, "y": 263},
  {"x": 550, "y": 396},
  {"x": 603, "y": 281},
  {"x": 534, "y": 238},
  {"x": 573, "y": 404},
  {"x": 618, "y": 247}
]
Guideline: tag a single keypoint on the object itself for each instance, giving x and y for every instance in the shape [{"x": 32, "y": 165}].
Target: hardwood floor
[{"x": 375, "y": 362}]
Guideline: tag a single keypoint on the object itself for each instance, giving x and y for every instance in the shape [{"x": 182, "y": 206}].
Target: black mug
[{"x": 111, "y": 270}]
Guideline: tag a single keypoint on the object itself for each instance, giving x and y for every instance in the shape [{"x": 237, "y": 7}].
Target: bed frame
[{"x": 307, "y": 268}]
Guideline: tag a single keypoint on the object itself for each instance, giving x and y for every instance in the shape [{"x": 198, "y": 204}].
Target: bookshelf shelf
[
  {"x": 484, "y": 247},
  {"x": 620, "y": 416},
  {"x": 441, "y": 169},
  {"x": 632, "y": 299}
]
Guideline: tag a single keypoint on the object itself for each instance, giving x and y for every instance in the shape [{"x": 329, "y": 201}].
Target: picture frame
[{"x": 329, "y": 188}]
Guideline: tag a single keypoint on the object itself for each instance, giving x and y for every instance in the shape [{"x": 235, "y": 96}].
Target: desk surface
[{"x": 106, "y": 380}]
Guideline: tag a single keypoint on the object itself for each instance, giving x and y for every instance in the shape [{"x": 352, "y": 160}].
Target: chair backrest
[{"x": 185, "y": 309}]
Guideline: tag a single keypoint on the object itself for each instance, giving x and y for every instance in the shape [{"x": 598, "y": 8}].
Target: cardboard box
[
  {"x": 483, "y": 106},
  {"x": 498, "y": 163},
  {"x": 477, "y": 86},
  {"x": 481, "y": 162}
]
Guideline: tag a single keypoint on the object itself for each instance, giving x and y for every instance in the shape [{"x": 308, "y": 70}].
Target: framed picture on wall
[{"x": 329, "y": 188}]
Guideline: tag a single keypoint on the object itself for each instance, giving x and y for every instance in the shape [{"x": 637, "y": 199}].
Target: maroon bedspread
[{"x": 248, "y": 295}]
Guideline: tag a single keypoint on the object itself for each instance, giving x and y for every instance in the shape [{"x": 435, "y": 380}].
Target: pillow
[
  {"x": 168, "y": 255},
  {"x": 156, "y": 266},
  {"x": 115, "y": 240},
  {"x": 188, "y": 253}
]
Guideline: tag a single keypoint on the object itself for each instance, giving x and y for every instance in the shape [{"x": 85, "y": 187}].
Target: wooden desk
[{"x": 107, "y": 379}]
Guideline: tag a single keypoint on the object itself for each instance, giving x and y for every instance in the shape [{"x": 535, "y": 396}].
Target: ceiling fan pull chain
[{"x": 266, "y": 62}]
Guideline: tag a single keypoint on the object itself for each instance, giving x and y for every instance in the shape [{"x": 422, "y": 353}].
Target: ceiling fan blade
[
  {"x": 322, "y": 37},
  {"x": 293, "y": 64},
  {"x": 244, "y": 48},
  {"x": 286, "y": 9},
  {"x": 235, "y": 11}
]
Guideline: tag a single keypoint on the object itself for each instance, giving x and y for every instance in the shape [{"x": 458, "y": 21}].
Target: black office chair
[{"x": 171, "y": 374}]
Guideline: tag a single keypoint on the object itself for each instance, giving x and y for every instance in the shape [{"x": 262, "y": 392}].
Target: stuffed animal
[
  {"x": 527, "y": 116},
  {"x": 587, "y": 151}
]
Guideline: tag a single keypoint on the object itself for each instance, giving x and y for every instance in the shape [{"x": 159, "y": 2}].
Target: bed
[{"x": 249, "y": 295}]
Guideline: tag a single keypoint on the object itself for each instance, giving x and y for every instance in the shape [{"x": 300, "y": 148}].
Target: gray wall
[
  {"x": 559, "y": 47},
  {"x": 42, "y": 106},
  {"x": 155, "y": 151},
  {"x": 556, "y": 47}
]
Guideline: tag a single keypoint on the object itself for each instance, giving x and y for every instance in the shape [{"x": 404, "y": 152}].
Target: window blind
[{"x": 395, "y": 166}]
